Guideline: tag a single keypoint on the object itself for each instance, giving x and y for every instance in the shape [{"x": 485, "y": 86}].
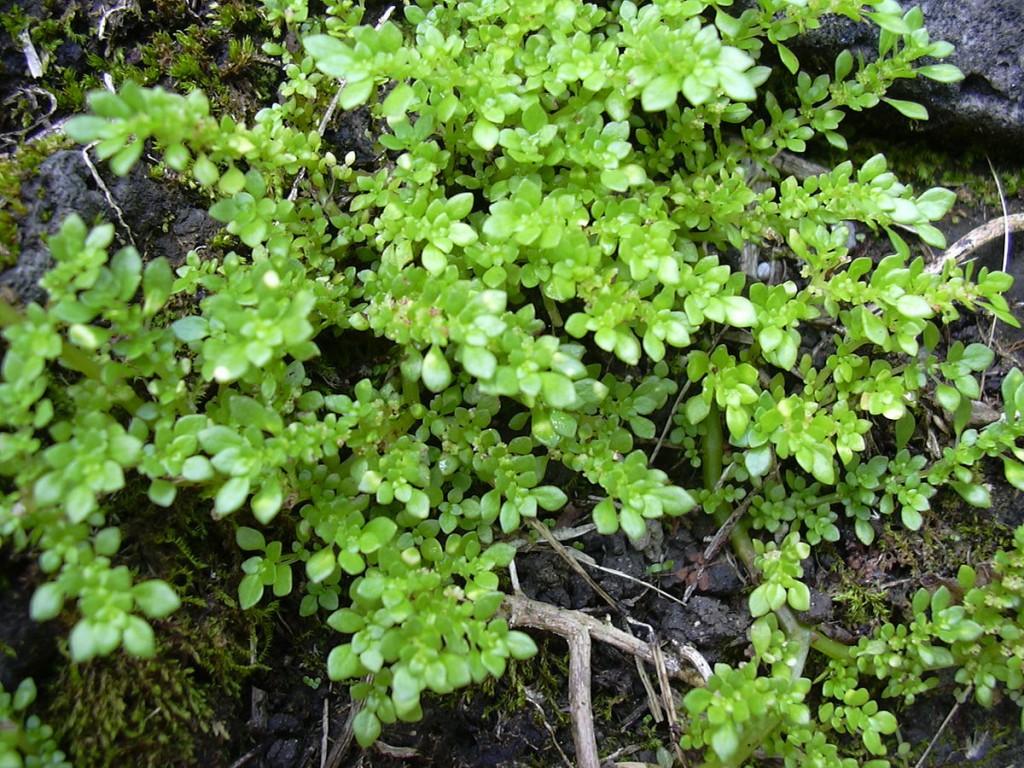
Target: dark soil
[{"x": 271, "y": 705}]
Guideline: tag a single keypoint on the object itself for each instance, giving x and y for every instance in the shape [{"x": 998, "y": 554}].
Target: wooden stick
[
  {"x": 580, "y": 709},
  {"x": 578, "y": 629},
  {"x": 524, "y": 612},
  {"x": 976, "y": 238}
]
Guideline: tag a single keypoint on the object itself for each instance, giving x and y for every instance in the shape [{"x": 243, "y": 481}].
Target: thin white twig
[
  {"x": 35, "y": 65},
  {"x": 329, "y": 112},
  {"x": 101, "y": 30},
  {"x": 325, "y": 727},
  {"x": 976, "y": 238},
  {"x": 532, "y": 699},
  {"x": 525, "y": 612},
  {"x": 106, "y": 192},
  {"x": 1006, "y": 253},
  {"x": 942, "y": 728}
]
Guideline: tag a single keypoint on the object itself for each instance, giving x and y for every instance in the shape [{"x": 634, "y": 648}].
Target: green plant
[
  {"x": 24, "y": 741},
  {"x": 540, "y": 244}
]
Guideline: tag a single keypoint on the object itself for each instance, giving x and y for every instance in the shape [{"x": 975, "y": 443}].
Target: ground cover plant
[{"x": 396, "y": 365}]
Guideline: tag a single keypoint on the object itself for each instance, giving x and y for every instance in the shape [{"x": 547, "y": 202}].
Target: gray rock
[
  {"x": 986, "y": 108},
  {"x": 63, "y": 186},
  {"x": 164, "y": 219},
  {"x": 283, "y": 754}
]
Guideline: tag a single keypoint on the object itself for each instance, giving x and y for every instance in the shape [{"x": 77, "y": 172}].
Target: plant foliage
[{"x": 539, "y": 260}]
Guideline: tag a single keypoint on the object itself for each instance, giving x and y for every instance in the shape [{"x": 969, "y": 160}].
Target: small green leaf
[
  {"x": 250, "y": 540},
  {"x": 321, "y": 565},
  {"x": 910, "y": 109},
  {"x": 282, "y": 580},
  {"x": 520, "y": 645},
  {"x": 738, "y": 312},
  {"x": 250, "y": 591},
  {"x": 156, "y": 598},
  {"x": 725, "y": 742},
  {"x": 157, "y": 280},
  {"x": 162, "y": 493},
  {"x": 696, "y": 409},
  {"x": 24, "y": 695},
  {"x": 351, "y": 562},
  {"x": 231, "y": 496},
  {"x": 436, "y": 372},
  {"x": 799, "y": 597},
  {"x": 121, "y": 163},
  {"x": 977, "y": 357},
  {"x": 758, "y": 460},
  {"x": 913, "y": 306},
  {"x": 231, "y": 182},
  {"x": 633, "y": 523},
  {"x": 107, "y": 541},
  {"x": 47, "y": 601},
  {"x": 377, "y": 533},
  {"x": 558, "y": 391},
  {"x": 366, "y": 727},
  {"x": 138, "y": 638},
  {"x": 549, "y": 497},
  {"x": 905, "y": 426},
  {"x": 267, "y": 501},
  {"x": 1014, "y": 471},
  {"x": 758, "y": 602},
  {"x": 485, "y": 134},
  {"x": 343, "y": 663},
  {"x": 605, "y": 517},
  {"x": 659, "y": 94},
  {"x": 509, "y": 517},
  {"x": 790, "y": 61},
  {"x": 941, "y": 73},
  {"x": 975, "y": 494},
  {"x": 355, "y": 94},
  {"x": 190, "y": 328},
  {"x": 87, "y": 128},
  {"x": 399, "y": 101},
  {"x": 947, "y": 397},
  {"x": 205, "y": 172}
]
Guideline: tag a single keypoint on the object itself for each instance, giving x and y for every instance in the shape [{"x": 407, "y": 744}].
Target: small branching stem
[
  {"x": 743, "y": 547},
  {"x": 71, "y": 357}
]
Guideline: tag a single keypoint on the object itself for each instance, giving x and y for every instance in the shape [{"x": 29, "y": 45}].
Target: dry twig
[
  {"x": 976, "y": 238},
  {"x": 329, "y": 112},
  {"x": 942, "y": 727},
  {"x": 578, "y": 629}
]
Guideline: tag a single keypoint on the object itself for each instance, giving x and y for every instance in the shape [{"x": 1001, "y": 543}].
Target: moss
[
  {"x": 15, "y": 169},
  {"x": 859, "y": 605},
  {"x": 177, "y": 709},
  {"x": 173, "y": 710},
  {"x": 968, "y": 172},
  {"x": 953, "y": 533},
  {"x": 165, "y": 44},
  {"x": 126, "y": 711}
]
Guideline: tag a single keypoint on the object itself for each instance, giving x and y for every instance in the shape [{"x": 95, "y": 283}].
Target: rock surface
[
  {"x": 986, "y": 108},
  {"x": 165, "y": 220}
]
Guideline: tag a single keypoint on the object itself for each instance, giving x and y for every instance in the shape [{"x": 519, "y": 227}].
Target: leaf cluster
[{"x": 542, "y": 247}]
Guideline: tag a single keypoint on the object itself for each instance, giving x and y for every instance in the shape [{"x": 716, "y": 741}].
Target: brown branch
[
  {"x": 524, "y": 612},
  {"x": 579, "y": 629},
  {"x": 976, "y": 238}
]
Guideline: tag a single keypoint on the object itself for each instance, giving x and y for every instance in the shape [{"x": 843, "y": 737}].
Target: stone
[{"x": 986, "y": 108}]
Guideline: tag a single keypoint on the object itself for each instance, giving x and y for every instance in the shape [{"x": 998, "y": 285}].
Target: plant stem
[
  {"x": 713, "y": 451},
  {"x": 73, "y": 358}
]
